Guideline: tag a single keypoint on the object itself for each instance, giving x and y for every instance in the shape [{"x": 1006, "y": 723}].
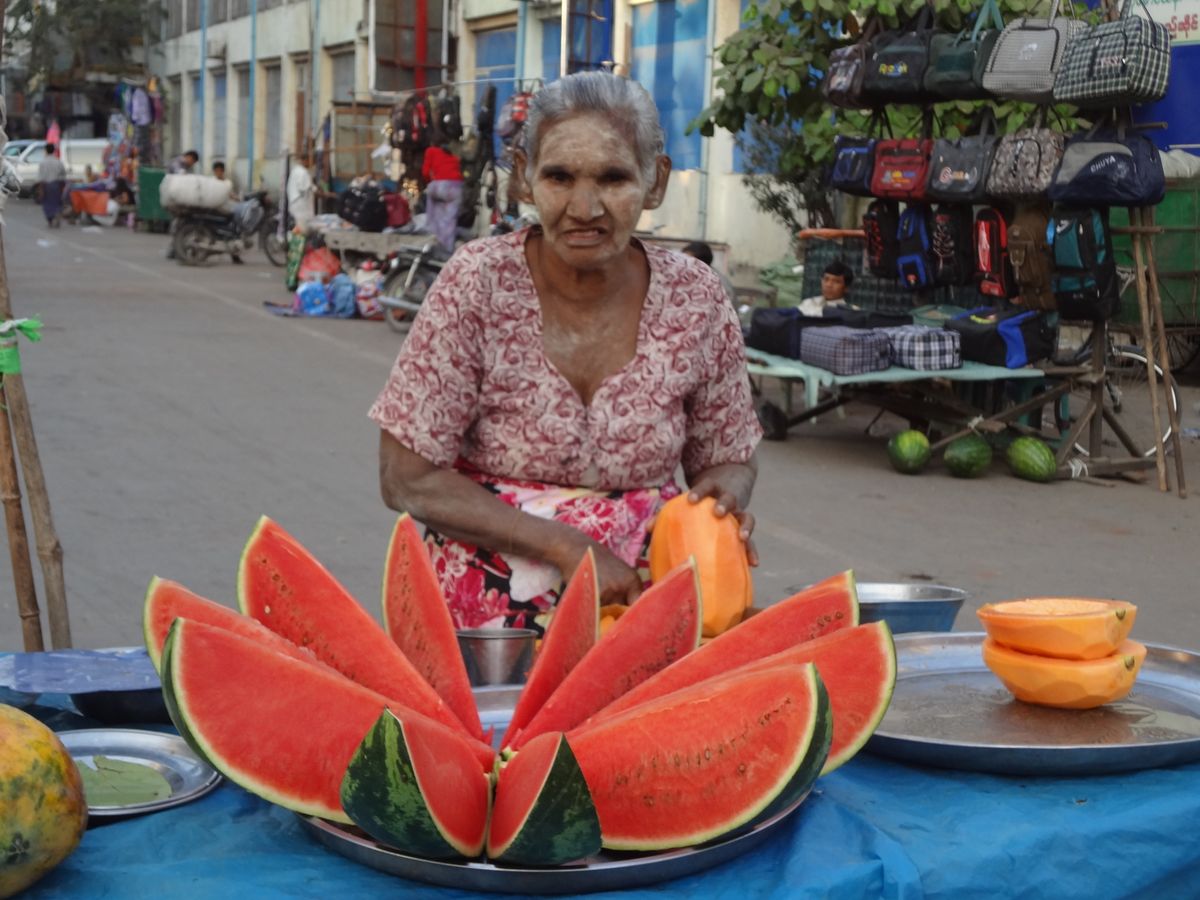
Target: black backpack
[
  {"x": 992, "y": 265},
  {"x": 364, "y": 207},
  {"x": 880, "y": 223},
  {"x": 449, "y": 118},
  {"x": 914, "y": 262},
  {"x": 952, "y": 247},
  {"x": 414, "y": 124},
  {"x": 1086, "y": 284}
]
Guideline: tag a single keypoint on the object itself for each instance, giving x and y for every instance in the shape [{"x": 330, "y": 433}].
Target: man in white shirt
[{"x": 835, "y": 283}]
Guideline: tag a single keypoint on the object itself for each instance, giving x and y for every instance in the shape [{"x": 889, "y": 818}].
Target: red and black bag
[
  {"x": 914, "y": 263},
  {"x": 880, "y": 224},
  {"x": 901, "y": 168},
  {"x": 992, "y": 265},
  {"x": 952, "y": 252}
]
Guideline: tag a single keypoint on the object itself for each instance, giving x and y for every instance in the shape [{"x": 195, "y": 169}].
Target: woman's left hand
[{"x": 730, "y": 486}]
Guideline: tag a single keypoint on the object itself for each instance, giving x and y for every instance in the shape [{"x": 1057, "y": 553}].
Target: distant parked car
[{"x": 76, "y": 154}]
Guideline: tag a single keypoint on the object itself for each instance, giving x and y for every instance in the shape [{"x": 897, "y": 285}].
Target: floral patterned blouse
[{"x": 472, "y": 380}]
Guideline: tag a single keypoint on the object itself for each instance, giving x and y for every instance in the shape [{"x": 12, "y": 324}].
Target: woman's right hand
[{"x": 618, "y": 582}]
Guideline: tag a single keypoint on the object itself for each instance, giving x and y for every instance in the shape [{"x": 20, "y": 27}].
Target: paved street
[{"x": 171, "y": 410}]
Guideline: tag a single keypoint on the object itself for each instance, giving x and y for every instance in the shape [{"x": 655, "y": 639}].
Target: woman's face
[{"x": 589, "y": 190}]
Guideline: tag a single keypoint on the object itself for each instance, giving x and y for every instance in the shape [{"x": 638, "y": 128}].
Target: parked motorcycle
[
  {"x": 201, "y": 233},
  {"x": 410, "y": 273}
]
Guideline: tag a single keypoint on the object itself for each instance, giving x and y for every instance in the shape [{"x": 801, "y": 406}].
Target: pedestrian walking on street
[
  {"x": 443, "y": 194},
  {"x": 52, "y": 179}
]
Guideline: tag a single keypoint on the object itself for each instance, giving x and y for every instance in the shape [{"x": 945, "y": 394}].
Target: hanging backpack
[
  {"x": 958, "y": 167},
  {"x": 513, "y": 114},
  {"x": 414, "y": 119},
  {"x": 449, "y": 117},
  {"x": 957, "y": 61},
  {"x": 1029, "y": 253},
  {"x": 897, "y": 61},
  {"x": 951, "y": 246},
  {"x": 854, "y": 158},
  {"x": 992, "y": 265},
  {"x": 1085, "y": 284},
  {"x": 880, "y": 224},
  {"x": 914, "y": 262},
  {"x": 843, "y": 84}
]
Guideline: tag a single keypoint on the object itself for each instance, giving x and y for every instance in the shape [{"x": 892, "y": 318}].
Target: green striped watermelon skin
[
  {"x": 909, "y": 452},
  {"x": 1032, "y": 460},
  {"x": 968, "y": 456}
]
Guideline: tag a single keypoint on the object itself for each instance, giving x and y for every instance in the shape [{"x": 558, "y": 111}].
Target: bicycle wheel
[
  {"x": 274, "y": 247},
  {"x": 1127, "y": 397}
]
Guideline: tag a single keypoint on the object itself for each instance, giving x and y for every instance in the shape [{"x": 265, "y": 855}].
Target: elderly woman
[{"x": 558, "y": 376}]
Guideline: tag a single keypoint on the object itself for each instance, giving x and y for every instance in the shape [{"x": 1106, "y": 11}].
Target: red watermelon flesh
[
  {"x": 857, "y": 666},
  {"x": 662, "y": 625},
  {"x": 283, "y": 586},
  {"x": 571, "y": 634},
  {"x": 693, "y": 765},
  {"x": 167, "y": 601},
  {"x": 416, "y": 616},
  {"x": 824, "y": 608},
  {"x": 279, "y": 727}
]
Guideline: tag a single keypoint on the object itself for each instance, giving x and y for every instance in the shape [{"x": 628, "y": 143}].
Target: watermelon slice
[
  {"x": 167, "y": 601},
  {"x": 251, "y": 712},
  {"x": 660, "y": 627},
  {"x": 416, "y": 616},
  {"x": 694, "y": 765},
  {"x": 284, "y": 587},
  {"x": 571, "y": 634},
  {"x": 857, "y": 666},
  {"x": 826, "y": 607},
  {"x": 411, "y": 788},
  {"x": 543, "y": 815}
]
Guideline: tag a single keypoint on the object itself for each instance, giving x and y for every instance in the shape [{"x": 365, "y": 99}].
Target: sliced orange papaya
[
  {"x": 1062, "y": 627},
  {"x": 1065, "y": 683}
]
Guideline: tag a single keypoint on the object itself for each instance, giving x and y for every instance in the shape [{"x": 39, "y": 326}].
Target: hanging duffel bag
[
  {"x": 958, "y": 167},
  {"x": 1106, "y": 167},
  {"x": 1085, "y": 282},
  {"x": 1026, "y": 59},
  {"x": 898, "y": 60},
  {"x": 1116, "y": 63},
  {"x": 843, "y": 84},
  {"x": 901, "y": 168},
  {"x": 1025, "y": 161},
  {"x": 854, "y": 159},
  {"x": 957, "y": 61}
]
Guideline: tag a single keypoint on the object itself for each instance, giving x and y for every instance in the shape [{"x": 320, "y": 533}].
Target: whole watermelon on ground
[
  {"x": 1031, "y": 459},
  {"x": 909, "y": 452},
  {"x": 968, "y": 456}
]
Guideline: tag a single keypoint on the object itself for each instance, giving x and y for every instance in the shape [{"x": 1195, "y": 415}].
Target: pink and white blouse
[{"x": 472, "y": 380}]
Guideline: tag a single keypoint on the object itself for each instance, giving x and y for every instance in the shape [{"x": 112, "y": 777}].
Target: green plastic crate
[{"x": 1176, "y": 252}]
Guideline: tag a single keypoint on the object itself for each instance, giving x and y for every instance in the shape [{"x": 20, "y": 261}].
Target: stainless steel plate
[
  {"x": 950, "y": 711},
  {"x": 607, "y": 871},
  {"x": 168, "y": 754}
]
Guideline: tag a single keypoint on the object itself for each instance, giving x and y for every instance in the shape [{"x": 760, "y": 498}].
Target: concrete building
[{"x": 245, "y": 87}]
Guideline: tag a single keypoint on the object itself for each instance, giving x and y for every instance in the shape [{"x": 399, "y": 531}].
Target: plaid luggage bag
[
  {"x": 846, "y": 351},
  {"x": 1117, "y": 63},
  {"x": 1028, "y": 55},
  {"x": 923, "y": 348}
]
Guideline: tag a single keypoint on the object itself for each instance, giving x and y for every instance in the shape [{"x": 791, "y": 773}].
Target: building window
[
  {"x": 174, "y": 19},
  {"x": 245, "y": 124},
  {"x": 193, "y": 14},
  {"x": 495, "y": 60},
  {"x": 301, "y": 101},
  {"x": 408, "y": 44},
  {"x": 669, "y": 49},
  {"x": 197, "y": 132},
  {"x": 342, "y": 65},
  {"x": 218, "y": 11},
  {"x": 274, "y": 111},
  {"x": 219, "y": 114},
  {"x": 591, "y": 38},
  {"x": 175, "y": 113}
]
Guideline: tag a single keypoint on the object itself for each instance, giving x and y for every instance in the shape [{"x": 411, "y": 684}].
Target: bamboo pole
[
  {"x": 1160, "y": 461},
  {"x": 18, "y": 542}
]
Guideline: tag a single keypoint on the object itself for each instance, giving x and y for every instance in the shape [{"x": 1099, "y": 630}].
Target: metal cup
[{"x": 497, "y": 655}]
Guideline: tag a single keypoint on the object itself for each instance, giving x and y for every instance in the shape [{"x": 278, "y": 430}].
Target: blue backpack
[
  {"x": 914, "y": 261},
  {"x": 1085, "y": 283}
]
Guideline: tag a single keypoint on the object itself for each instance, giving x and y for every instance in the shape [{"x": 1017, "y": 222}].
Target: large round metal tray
[
  {"x": 950, "y": 711},
  {"x": 606, "y": 871}
]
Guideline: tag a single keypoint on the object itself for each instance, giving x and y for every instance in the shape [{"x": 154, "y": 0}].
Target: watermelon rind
[
  {"x": 424, "y": 631},
  {"x": 382, "y": 792},
  {"x": 561, "y": 825},
  {"x": 1031, "y": 459},
  {"x": 640, "y": 742},
  {"x": 968, "y": 456},
  {"x": 813, "y": 765},
  {"x": 909, "y": 452}
]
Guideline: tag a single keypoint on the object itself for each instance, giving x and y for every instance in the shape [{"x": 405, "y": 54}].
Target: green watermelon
[
  {"x": 572, "y": 632},
  {"x": 544, "y": 815},
  {"x": 1031, "y": 459},
  {"x": 416, "y": 616},
  {"x": 281, "y": 728},
  {"x": 694, "y": 765},
  {"x": 410, "y": 787},
  {"x": 283, "y": 586},
  {"x": 968, "y": 456},
  {"x": 909, "y": 452},
  {"x": 825, "y": 608},
  {"x": 661, "y": 626},
  {"x": 857, "y": 666}
]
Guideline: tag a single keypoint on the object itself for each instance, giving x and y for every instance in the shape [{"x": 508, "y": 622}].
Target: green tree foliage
[
  {"x": 66, "y": 39},
  {"x": 768, "y": 84}
]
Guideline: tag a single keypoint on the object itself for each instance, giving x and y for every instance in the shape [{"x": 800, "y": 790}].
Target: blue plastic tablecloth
[{"x": 874, "y": 828}]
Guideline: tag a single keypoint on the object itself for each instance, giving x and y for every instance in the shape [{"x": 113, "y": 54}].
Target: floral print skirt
[{"x": 487, "y": 589}]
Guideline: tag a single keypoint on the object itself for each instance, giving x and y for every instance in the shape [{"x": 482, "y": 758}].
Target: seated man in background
[
  {"x": 835, "y": 283},
  {"x": 701, "y": 251}
]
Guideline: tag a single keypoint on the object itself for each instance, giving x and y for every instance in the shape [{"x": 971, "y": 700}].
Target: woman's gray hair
[{"x": 625, "y": 102}]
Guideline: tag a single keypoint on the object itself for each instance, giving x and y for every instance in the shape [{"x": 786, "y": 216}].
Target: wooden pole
[
  {"x": 1139, "y": 267},
  {"x": 18, "y": 542}
]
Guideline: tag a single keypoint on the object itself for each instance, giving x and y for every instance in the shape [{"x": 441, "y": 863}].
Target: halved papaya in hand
[
  {"x": 1066, "y": 683},
  {"x": 1062, "y": 627}
]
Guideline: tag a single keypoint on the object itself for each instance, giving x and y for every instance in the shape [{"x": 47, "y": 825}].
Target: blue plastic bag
[
  {"x": 341, "y": 297},
  {"x": 312, "y": 299}
]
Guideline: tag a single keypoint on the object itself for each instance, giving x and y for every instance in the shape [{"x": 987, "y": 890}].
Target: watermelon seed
[
  {"x": 741, "y": 768},
  {"x": 707, "y": 753},
  {"x": 267, "y": 610},
  {"x": 678, "y": 760},
  {"x": 648, "y": 799}
]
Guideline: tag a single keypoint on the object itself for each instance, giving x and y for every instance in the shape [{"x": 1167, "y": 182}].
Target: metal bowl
[
  {"x": 910, "y": 607},
  {"x": 497, "y": 655}
]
